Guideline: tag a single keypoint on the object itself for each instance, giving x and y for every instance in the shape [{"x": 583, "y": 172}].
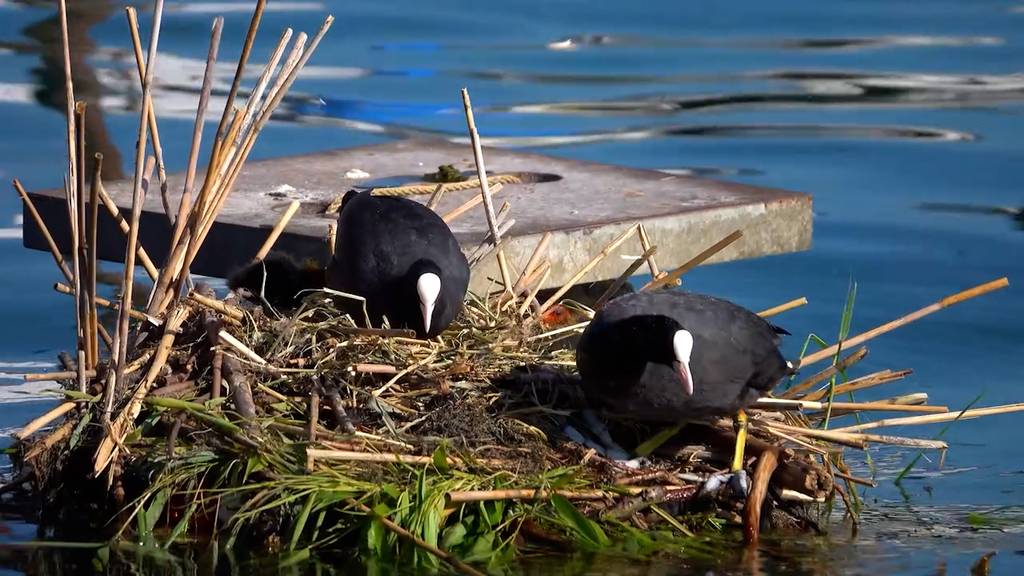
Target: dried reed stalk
[
  {"x": 154, "y": 133},
  {"x": 827, "y": 373},
  {"x": 125, "y": 226},
  {"x": 63, "y": 375},
  {"x": 597, "y": 259},
  {"x": 101, "y": 301},
  {"x": 771, "y": 403},
  {"x": 250, "y": 38},
  {"x": 197, "y": 133},
  {"x": 492, "y": 223},
  {"x": 471, "y": 203},
  {"x": 535, "y": 257},
  {"x": 868, "y": 381},
  {"x": 767, "y": 462},
  {"x": 645, "y": 243},
  {"x": 81, "y": 248},
  {"x": 785, "y": 307},
  {"x": 275, "y": 233},
  {"x": 946, "y": 302},
  {"x": 332, "y": 239},
  {"x": 238, "y": 345},
  {"x": 531, "y": 297},
  {"x": 673, "y": 276},
  {"x": 93, "y": 259},
  {"x": 464, "y": 496},
  {"x": 435, "y": 197},
  {"x": 624, "y": 277},
  {"x": 45, "y": 231},
  {"x": 41, "y": 422},
  {"x": 120, "y": 427},
  {"x": 935, "y": 418}
]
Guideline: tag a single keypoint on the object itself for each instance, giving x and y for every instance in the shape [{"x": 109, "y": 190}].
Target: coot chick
[
  {"x": 670, "y": 356},
  {"x": 402, "y": 257},
  {"x": 279, "y": 279}
]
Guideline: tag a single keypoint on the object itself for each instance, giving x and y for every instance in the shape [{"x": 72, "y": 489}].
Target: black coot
[
  {"x": 402, "y": 257},
  {"x": 670, "y": 356}
]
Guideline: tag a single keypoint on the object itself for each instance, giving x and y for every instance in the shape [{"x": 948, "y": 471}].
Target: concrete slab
[{"x": 585, "y": 205}]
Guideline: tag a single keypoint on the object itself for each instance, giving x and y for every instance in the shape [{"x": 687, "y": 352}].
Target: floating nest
[{"x": 216, "y": 419}]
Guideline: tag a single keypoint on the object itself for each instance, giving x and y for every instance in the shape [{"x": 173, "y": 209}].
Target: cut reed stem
[
  {"x": 935, "y": 418},
  {"x": 795, "y": 303},
  {"x": 673, "y": 276},
  {"x": 946, "y": 302},
  {"x": 600, "y": 256},
  {"x": 278, "y": 228}
]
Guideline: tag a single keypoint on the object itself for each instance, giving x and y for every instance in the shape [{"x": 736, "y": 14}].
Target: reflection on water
[{"x": 903, "y": 121}]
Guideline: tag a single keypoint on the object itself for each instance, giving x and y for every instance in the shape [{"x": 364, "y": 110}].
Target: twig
[
  {"x": 332, "y": 239},
  {"x": 589, "y": 266},
  {"x": 217, "y": 378},
  {"x": 314, "y": 414},
  {"x": 435, "y": 197},
  {"x": 673, "y": 276},
  {"x": 827, "y": 373},
  {"x": 275, "y": 233},
  {"x": 767, "y": 462},
  {"x": 946, "y": 302},
  {"x": 250, "y": 37},
  {"x": 82, "y": 248},
  {"x": 531, "y": 298},
  {"x": 341, "y": 418},
  {"x": 771, "y": 403},
  {"x": 785, "y": 307}
]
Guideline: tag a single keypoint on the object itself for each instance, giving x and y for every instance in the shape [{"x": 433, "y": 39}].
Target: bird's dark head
[
  {"x": 426, "y": 278},
  {"x": 660, "y": 340}
]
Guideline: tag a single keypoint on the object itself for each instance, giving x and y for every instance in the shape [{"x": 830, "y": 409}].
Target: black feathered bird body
[
  {"x": 383, "y": 245},
  {"x": 625, "y": 357}
]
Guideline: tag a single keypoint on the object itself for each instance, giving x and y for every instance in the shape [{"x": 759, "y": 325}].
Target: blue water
[{"x": 873, "y": 107}]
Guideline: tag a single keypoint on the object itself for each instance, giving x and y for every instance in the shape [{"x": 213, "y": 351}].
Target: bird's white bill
[
  {"x": 682, "y": 346},
  {"x": 428, "y": 287}
]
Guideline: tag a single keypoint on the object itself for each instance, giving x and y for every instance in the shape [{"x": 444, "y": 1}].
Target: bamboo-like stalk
[
  {"x": 332, "y": 239},
  {"x": 935, "y": 418},
  {"x": 435, "y": 197},
  {"x": 827, "y": 373},
  {"x": 532, "y": 296},
  {"x": 82, "y": 249},
  {"x": 535, "y": 258},
  {"x": 771, "y": 403},
  {"x": 250, "y": 38},
  {"x": 473, "y": 202},
  {"x": 481, "y": 170},
  {"x": 44, "y": 230},
  {"x": 256, "y": 95},
  {"x": 62, "y": 375},
  {"x": 154, "y": 133},
  {"x": 673, "y": 276},
  {"x": 624, "y": 277},
  {"x": 600, "y": 256},
  {"x": 93, "y": 260},
  {"x": 767, "y": 462},
  {"x": 44, "y": 420},
  {"x": 101, "y": 301},
  {"x": 128, "y": 280},
  {"x": 391, "y": 458},
  {"x": 868, "y": 381},
  {"x": 216, "y": 305},
  {"x": 119, "y": 428},
  {"x": 645, "y": 243},
  {"x": 367, "y": 368},
  {"x": 197, "y": 135},
  {"x": 277, "y": 230},
  {"x": 785, "y": 307},
  {"x": 125, "y": 226},
  {"x": 946, "y": 302},
  {"x": 230, "y": 340},
  {"x": 855, "y": 439}
]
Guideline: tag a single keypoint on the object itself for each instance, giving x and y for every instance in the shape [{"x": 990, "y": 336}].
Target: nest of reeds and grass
[{"x": 220, "y": 418}]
